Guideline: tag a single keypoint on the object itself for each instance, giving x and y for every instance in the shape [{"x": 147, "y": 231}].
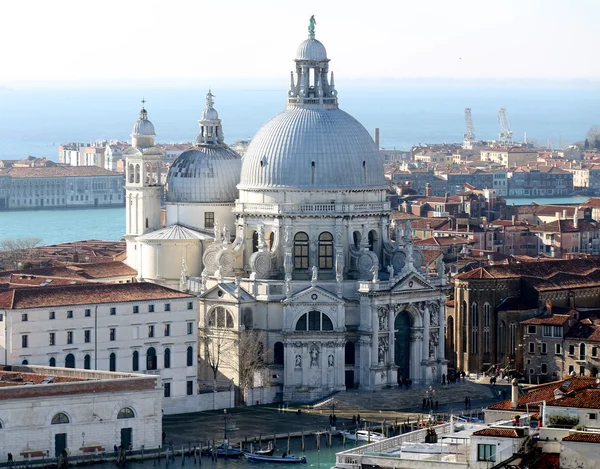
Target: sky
[{"x": 124, "y": 41}]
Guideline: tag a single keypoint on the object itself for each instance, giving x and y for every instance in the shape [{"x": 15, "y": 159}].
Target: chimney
[
  {"x": 557, "y": 215},
  {"x": 490, "y": 259},
  {"x": 549, "y": 307},
  {"x": 564, "y": 217},
  {"x": 427, "y": 190},
  {"x": 514, "y": 396},
  {"x": 376, "y": 137},
  {"x": 514, "y": 219},
  {"x": 576, "y": 217}
]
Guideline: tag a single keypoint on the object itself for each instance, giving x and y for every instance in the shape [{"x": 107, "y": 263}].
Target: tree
[
  {"x": 593, "y": 136},
  {"x": 586, "y": 145},
  {"x": 15, "y": 253}
]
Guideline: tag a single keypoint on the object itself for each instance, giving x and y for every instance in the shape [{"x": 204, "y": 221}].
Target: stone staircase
[{"x": 404, "y": 399}]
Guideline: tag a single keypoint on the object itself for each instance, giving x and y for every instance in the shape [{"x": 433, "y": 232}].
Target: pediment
[
  {"x": 312, "y": 295},
  {"x": 226, "y": 292},
  {"x": 412, "y": 281}
]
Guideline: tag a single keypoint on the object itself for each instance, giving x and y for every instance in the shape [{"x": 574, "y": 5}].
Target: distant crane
[
  {"x": 469, "y": 130},
  {"x": 505, "y": 132}
]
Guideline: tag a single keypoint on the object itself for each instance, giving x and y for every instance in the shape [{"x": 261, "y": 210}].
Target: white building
[
  {"x": 130, "y": 327},
  {"x": 304, "y": 256},
  {"x": 44, "y": 411}
]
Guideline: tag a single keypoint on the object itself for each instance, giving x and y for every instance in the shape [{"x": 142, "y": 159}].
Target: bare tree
[
  {"x": 252, "y": 356},
  {"x": 593, "y": 136},
  {"x": 14, "y": 253},
  {"x": 219, "y": 345}
]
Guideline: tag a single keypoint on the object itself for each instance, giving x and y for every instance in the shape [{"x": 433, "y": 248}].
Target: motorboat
[
  {"x": 268, "y": 451},
  {"x": 288, "y": 459},
  {"x": 223, "y": 452},
  {"x": 363, "y": 435}
]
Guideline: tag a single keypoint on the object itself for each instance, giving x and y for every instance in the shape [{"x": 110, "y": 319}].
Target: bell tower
[{"x": 143, "y": 186}]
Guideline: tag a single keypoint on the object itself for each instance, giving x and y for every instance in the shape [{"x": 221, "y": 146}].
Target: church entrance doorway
[
  {"x": 402, "y": 345},
  {"x": 349, "y": 379}
]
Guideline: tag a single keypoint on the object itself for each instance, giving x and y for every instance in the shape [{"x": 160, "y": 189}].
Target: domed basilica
[{"x": 292, "y": 241}]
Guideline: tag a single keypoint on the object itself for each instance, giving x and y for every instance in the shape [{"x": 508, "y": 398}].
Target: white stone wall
[
  {"x": 132, "y": 334},
  {"x": 577, "y": 455},
  {"x": 192, "y": 215},
  {"x": 26, "y": 423},
  {"x": 200, "y": 402}
]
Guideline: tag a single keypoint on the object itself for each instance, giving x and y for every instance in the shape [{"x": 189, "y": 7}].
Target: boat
[
  {"x": 289, "y": 459},
  {"x": 363, "y": 435},
  {"x": 261, "y": 452},
  {"x": 222, "y": 452}
]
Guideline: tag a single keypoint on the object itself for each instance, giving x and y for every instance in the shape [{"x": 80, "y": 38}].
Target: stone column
[
  {"x": 426, "y": 321},
  {"x": 442, "y": 337},
  {"x": 365, "y": 362},
  {"x": 416, "y": 347}
]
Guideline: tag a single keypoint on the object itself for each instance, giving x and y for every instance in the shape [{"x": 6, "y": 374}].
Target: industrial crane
[{"x": 505, "y": 132}]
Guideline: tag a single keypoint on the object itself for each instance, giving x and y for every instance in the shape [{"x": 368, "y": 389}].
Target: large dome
[
  {"x": 311, "y": 49},
  {"x": 312, "y": 148},
  {"x": 203, "y": 174}
]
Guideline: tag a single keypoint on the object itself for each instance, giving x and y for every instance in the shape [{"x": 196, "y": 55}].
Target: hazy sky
[{"x": 117, "y": 40}]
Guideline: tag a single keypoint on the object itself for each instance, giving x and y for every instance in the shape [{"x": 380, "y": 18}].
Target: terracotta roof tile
[
  {"x": 554, "y": 320},
  {"x": 58, "y": 171},
  {"x": 583, "y": 437},
  {"x": 502, "y": 432}
]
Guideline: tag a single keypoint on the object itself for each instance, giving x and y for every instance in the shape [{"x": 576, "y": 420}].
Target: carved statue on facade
[
  {"x": 440, "y": 267},
  {"x": 433, "y": 342},
  {"x": 217, "y": 231},
  {"x": 311, "y": 26},
  {"x": 383, "y": 315},
  {"x": 298, "y": 363},
  {"x": 375, "y": 272},
  {"x": 330, "y": 360},
  {"x": 390, "y": 270},
  {"x": 260, "y": 237},
  {"x": 382, "y": 349},
  {"x": 184, "y": 276},
  {"x": 226, "y": 234},
  {"x": 287, "y": 235},
  {"x": 315, "y": 274},
  {"x": 434, "y": 313},
  {"x": 314, "y": 357}
]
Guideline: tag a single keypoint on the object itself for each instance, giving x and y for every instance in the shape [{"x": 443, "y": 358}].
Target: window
[
  {"x": 301, "y": 251},
  {"x": 592, "y": 416},
  {"x": 190, "y": 305},
  {"x": 220, "y": 318},
  {"x": 70, "y": 361},
  {"x": 314, "y": 321},
  {"x": 167, "y": 330},
  {"x": 571, "y": 350},
  {"x": 582, "y": 351},
  {"x": 544, "y": 368},
  {"x": 136, "y": 309},
  {"x": 544, "y": 348},
  {"x": 474, "y": 329},
  {"x": 547, "y": 331},
  {"x": 150, "y": 331},
  {"x": 112, "y": 362},
  {"x": 51, "y": 315},
  {"x": 24, "y": 341},
  {"x": 557, "y": 349},
  {"x": 209, "y": 219},
  {"x": 112, "y": 336},
  {"x": 594, "y": 352},
  {"x": 126, "y": 413},
  {"x": 167, "y": 358},
  {"x": 582, "y": 370},
  {"x": 60, "y": 418},
  {"x": 190, "y": 356},
  {"x": 190, "y": 388},
  {"x": 88, "y": 313},
  {"x": 69, "y": 314},
  {"x": 135, "y": 361},
  {"x": 167, "y": 306},
  {"x": 531, "y": 347},
  {"x": 167, "y": 389},
  {"x": 486, "y": 453},
  {"x": 486, "y": 328},
  {"x": 113, "y": 311},
  {"x": 558, "y": 331},
  {"x": 190, "y": 328},
  {"x": 531, "y": 329},
  {"x": 69, "y": 337},
  {"x": 151, "y": 363},
  {"x": 87, "y": 362},
  {"x": 87, "y": 336},
  {"x": 150, "y": 308},
  {"x": 52, "y": 362},
  {"x": 502, "y": 338},
  {"x": 325, "y": 251},
  {"x": 52, "y": 338},
  {"x": 24, "y": 317},
  {"x": 278, "y": 353},
  {"x": 571, "y": 369}
]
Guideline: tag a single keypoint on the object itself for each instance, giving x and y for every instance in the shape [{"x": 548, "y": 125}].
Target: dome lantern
[
  {"x": 211, "y": 131},
  {"x": 143, "y": 134}
]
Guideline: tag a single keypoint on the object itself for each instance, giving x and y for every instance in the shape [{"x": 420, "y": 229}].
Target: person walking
[{"x": 466, "y": 403}]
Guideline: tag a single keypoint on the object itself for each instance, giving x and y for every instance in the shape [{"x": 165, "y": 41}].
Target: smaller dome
[
  {"x": 143, "y": 126},
  {"x": 311, "y": 49},
  {"x": 210, "y": 114}
]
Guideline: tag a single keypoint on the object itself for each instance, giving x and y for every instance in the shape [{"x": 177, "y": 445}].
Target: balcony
[{"x": 282, "y": 209}]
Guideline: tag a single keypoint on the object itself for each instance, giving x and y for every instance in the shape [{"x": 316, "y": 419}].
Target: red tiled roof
[
  {"x": 95, "y": 271},
  {"x": 503, "y": 432},
  {"x": 583, "y": 399},
  {"x": 554, "y": 320},
  {"x": 17, "y": 378},
  {"x": 58, "y": 171},
  {"x": 583, "y": 437},
  {"x": 24, "y": 298}
]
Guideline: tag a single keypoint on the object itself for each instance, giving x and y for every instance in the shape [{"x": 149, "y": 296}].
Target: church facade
[{"x": 294, "y": 243}]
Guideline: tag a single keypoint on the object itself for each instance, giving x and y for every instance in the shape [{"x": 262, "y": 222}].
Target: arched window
[
  {"x": 112, "y": 362},
  {"x": 373, "y": 240},
  {"x": 512, "y": 338},
  {"x": 135, "y": 361},
  {"x": 137, "y": 173},
  {"x": 70, "y": 361},
  {"x": 474, "y": 329},
  {"x": 450, "y": 332},
  {"x": 131, "y": 173},
  {"x": 25, "y": 362},
  {"x": 220, "y": 318},
  {"x": 87, "y": 362},
  {"x": 301, "y": 251},
  {"x": 465, "y": 312},
  {"x": 356, "y": 236},
  {"x": 167, "y": 358},
  {"x": 325, "y": 251},
  {"x": 255, "y": 241},
  {"x": 271, "y": 241},
  {"x": 486, "y": 328},
  {"x": 582, "y": 351},
  {"x": 52, "y": 362},
  {"x": 60, "y": 418},
  {"x": 151, "y": 359},
  {"x": 126, "y": 413},
  {"x": 190, "y": 356},
  {"x": 349, "y": 354},
  {"x": 278, "y": 353},
  {"x": 502, "y": 337},
  {"x": 314, "y": 321}
]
